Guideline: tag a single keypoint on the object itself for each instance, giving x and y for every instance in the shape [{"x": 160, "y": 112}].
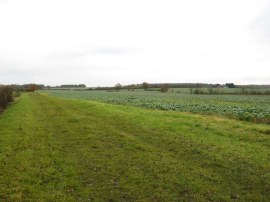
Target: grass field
[
  {"x": 255, "y": 108},
  {"x": 55, "y": 149}
]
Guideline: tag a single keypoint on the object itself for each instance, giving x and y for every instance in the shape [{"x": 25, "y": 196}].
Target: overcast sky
[{"x": 102, "y": 42}]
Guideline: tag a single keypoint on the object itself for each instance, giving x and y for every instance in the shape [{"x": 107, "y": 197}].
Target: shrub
[
  {"x": 164, "y": 88},
  {"x": 118, "y": 86}
]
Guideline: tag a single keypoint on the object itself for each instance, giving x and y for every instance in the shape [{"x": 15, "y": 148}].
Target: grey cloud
[
  {"x": 261, "y": 27},
  {"x": 254, "y": 79},
  {"x": 64, "y": 55},
  {"x": 114, "y": 51},
  {"x": 3, "y": 1},
  {"x": 94, "y": 51}
]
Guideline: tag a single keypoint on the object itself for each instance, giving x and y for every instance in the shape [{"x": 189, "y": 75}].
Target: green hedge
[{"x": 5, "y": 96}]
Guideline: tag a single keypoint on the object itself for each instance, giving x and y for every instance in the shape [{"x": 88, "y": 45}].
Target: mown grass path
[{"x": 54, "y": 149}]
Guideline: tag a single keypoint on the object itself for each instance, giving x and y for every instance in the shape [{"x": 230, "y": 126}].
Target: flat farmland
[
  {"x": 254, "y": 108},
  {"x": 57, "y": 149}
]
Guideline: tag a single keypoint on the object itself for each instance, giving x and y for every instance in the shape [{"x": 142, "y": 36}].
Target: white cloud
[{"x": 102, "y": 42}]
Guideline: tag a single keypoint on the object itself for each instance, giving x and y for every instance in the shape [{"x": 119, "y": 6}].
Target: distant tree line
[
  {"x": 195, "y": 88},
  {"x": 27, "y": 87},
  {"x": 72, "y": 86},
  {"x": 149, "y": 86},
  {"x": 33, "y": 87},
  {"x": 240, "y": 91}
]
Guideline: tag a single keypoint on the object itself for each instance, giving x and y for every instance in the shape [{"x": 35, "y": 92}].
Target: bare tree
[{"x": 118, "y": 86}]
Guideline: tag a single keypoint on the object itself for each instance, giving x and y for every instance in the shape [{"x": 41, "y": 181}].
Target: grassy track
[{"x": 55, "y": 149}]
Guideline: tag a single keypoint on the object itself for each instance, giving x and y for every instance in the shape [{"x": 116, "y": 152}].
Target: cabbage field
[{"x": 255, "y": 108}]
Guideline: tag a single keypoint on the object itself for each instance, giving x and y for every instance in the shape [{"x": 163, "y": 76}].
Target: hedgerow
[{"x": 5, "y": 96}]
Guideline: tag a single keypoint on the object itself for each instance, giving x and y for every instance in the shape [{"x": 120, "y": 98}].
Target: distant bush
[
  {"x": 130, "y": 87},
  {"x": 5, "y": 96},
  {"x": 199, "y": 91},
  {"x": 164, "y": 88},
  {"x": 230, "y": 85}
]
